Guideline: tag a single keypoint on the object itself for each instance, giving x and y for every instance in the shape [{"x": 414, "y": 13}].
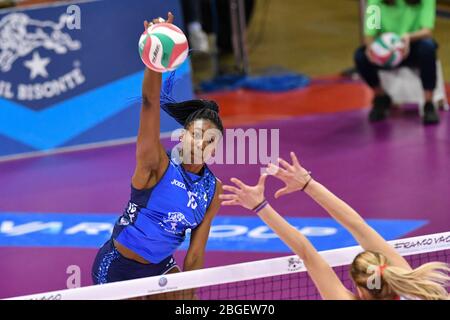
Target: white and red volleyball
[
  {"x": 163, "y": 47},
  {"x": 387, "y": 50}
]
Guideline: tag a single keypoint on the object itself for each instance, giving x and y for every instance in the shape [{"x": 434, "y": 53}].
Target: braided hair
[{"x": 186, "y": 112}]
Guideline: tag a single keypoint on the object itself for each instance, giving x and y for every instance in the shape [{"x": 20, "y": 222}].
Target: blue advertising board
[
  {"x": 228, "y": 233},
  {"x": 70, "y": 74}
]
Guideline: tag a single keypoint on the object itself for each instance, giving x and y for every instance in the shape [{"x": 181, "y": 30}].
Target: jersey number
[{"x": 192, "y": 203}]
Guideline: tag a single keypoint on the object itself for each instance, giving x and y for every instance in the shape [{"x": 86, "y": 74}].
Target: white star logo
[{"x": 37, "y": 66}]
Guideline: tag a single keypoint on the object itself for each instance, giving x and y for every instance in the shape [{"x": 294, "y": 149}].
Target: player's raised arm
[
  {"x": 323, "y": 276},
  {"x": 297, "y": 178},
  {"x": 150, "y": 155}
]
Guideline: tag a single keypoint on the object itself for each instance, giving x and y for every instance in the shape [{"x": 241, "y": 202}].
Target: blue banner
[
  {"x": 228, "y": 233},
  {"x": 71, "y": 74}
]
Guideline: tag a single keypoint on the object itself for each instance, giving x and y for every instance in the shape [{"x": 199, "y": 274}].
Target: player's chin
[
  {"x": 206, "y": 157},
  {"x": 200, "y": 160},
  {"x": 195, "y": 159}
]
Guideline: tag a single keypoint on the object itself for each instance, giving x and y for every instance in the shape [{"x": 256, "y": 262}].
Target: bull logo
[
  {"x": 174, "y": 218},
  {"x": 20, "y": 35}
]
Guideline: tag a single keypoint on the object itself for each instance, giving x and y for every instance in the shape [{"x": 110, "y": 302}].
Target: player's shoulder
[
  {"x": 219, "y": 187},
  {"x": 218, "y": 191}
]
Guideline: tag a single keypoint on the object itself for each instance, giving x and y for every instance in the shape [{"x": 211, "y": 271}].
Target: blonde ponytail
[{"x": 427, "y": 282}]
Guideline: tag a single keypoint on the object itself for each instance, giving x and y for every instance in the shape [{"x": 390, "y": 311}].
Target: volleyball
[
  {"x": 163, "y": 47},
  {"x": 387, "y": 50}
]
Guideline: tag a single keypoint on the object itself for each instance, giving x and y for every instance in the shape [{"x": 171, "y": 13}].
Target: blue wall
[{"x": 62, "y": 87}]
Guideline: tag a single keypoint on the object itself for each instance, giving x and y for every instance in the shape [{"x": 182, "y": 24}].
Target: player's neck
[{"x": 193, "y": 168}]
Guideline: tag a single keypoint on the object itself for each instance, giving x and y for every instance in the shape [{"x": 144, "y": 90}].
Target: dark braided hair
[
  {"x": 188, "y": 111},
  {"x": 211, "y": 113}
]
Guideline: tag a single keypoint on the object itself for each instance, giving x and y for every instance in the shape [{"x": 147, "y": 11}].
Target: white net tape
[{"x": 232, "y": 273}]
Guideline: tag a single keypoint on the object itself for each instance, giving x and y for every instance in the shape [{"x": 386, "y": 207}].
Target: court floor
[{"x": 55, "y": 210}]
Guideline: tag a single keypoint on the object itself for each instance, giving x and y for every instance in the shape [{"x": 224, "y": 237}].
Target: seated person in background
[{"x": 413, "y": 20}]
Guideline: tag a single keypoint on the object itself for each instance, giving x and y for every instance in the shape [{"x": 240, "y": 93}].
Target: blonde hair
[{"x": 427, "y": 282}]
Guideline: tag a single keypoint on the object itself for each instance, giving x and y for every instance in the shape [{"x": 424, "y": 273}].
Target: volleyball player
[
  {"x": 169, "y": 194},
  {"x": 396, "y": 278}
]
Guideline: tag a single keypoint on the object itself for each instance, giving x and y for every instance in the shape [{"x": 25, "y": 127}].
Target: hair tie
[{"x": 382, "y": 268}]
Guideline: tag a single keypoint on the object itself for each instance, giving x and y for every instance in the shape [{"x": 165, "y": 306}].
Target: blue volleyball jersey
[{"x": 155, "y": 221}]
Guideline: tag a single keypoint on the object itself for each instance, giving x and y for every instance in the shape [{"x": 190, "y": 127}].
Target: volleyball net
[{"x": 280, "y": 278}]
